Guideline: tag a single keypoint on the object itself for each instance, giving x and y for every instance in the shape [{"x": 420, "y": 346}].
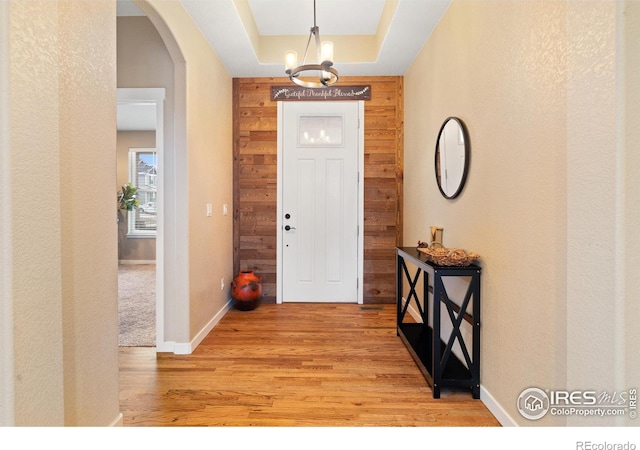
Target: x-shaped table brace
[
  {"x": 456, "y": 334},
  {"x": 412, "y": 292}
]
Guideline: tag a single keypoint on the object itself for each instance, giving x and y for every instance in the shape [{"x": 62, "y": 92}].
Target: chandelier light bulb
[
  {"x": 326, "y": 51},
  {"x": 290, "y": 60}
]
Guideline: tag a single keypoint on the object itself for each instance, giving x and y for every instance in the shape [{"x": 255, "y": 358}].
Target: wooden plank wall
[{"x": 255, "y": 181}]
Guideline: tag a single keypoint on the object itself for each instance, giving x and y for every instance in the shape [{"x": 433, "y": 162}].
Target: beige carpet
[{"x": 137, "y": 305}]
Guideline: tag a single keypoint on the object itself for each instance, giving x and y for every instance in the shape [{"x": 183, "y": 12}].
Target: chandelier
[{"x": 303, "y": 75}]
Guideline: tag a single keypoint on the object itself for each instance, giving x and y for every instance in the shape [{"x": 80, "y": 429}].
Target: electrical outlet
[
  {"x": 221, "y": 284},
  {"x": 225, "y": 209},
  {"x": 209, "y": 210}
]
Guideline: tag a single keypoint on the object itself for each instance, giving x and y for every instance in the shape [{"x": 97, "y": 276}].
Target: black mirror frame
[{"x": 467, "y": 155}]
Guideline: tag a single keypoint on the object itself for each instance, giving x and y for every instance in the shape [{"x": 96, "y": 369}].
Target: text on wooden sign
[{"x": 299, "y": 93}]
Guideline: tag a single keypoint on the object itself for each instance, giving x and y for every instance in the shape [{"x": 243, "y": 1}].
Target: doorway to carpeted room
[{"x": 137, "y": 305}]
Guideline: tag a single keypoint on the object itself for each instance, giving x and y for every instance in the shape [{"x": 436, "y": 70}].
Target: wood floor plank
[{"x": 291, "y": 365}]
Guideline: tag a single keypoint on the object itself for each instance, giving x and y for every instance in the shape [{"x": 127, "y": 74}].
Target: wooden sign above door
[{"x": 299, "y": 93}]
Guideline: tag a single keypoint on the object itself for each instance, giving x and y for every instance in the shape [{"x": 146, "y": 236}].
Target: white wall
[{"x": 538, "y": 87}]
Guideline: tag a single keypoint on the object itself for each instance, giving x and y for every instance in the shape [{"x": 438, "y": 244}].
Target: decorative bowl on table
[{"x": 444, "y": 256}]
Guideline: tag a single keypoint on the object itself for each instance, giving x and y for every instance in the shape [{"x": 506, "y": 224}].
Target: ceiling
[{"x": 371, "y": 37}]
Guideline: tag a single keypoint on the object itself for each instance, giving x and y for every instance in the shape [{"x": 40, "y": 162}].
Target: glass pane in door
[{"x": 320, "y": 131}]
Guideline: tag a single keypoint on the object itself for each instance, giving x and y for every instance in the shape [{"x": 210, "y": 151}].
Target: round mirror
[{"x": 452, "y": 157}]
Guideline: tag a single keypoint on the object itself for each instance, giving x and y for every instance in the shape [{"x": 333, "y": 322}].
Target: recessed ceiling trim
[
  {"x": 249, "y": 24},
  {"x": 245, "y": 53},
  {"x": 349, "y": 47},
  {"x": 335, "y": 17}
]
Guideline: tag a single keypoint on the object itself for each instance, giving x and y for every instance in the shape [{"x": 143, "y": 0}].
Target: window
[
  {"x": 320, "y": 131},
  {"x": 143, "y": 170}
]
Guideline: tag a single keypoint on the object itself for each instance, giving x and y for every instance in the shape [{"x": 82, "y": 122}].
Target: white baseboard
[
  {"x": 118, "y": 421},
  {"x": 136, "y": 261},
  {"x": 496, "y": 408},
  {"x": 413, "y": 312},
  {"x": 186, "y": 348},
  {"x": 165, "y": 347},
  {"x": 212, "y": 323}
]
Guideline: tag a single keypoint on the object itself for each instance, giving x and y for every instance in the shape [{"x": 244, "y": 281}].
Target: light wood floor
[{"x": 291, "y": 365}]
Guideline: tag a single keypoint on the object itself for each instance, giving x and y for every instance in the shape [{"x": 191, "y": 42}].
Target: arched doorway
[{"x": 171, "y": 241}]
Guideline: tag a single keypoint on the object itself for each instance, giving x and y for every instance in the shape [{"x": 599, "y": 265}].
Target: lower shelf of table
[{"x": 418, "y": 339}]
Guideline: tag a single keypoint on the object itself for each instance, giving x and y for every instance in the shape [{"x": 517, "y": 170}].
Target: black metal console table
[{"x": 433, "y": 352}]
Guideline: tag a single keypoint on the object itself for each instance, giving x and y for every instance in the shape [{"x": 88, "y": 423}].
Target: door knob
[{"x": 288, "y": 227}]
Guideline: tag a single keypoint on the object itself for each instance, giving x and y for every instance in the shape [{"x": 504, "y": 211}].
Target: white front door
[{"x": 320, "y": 148}]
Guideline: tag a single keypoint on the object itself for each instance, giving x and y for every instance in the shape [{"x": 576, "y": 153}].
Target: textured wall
[
  {"x": 62, "y": 287},
  {"x": 592, "y": 153},
  {"x": 87, "y": 82},
  {"x": 37, "y": 307},
  {"x": 535, "y": 82},
  {"x": 6, "y": 333},
  {"x": 629, "y": 333}
]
